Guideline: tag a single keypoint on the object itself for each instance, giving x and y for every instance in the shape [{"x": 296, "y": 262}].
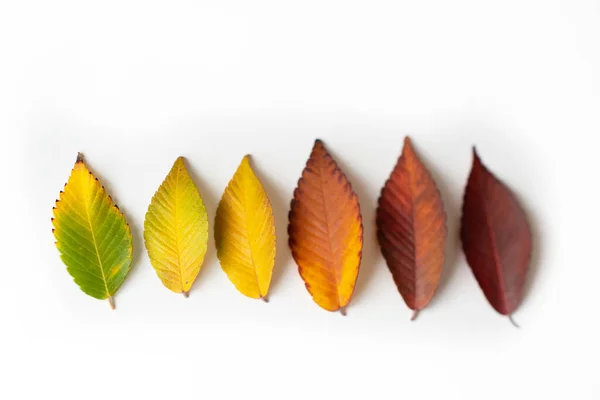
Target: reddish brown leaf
[
  {"x": 411, "y": 229},
  {"x": 326, "y": 231},
  {"x": 496, "y": 238}
]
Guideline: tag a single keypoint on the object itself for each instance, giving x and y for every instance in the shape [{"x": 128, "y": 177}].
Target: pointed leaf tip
[
  {"x": 246, "y": 160},
  {"x": 408, "y": 150},
  {"x": 319, "y": 146},
  {"x": 180, "y": 161}
]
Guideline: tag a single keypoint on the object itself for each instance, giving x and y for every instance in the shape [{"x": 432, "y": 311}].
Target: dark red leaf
[
  {"x": 411, "y": 229},
  {"x": 496, "y": 238}
]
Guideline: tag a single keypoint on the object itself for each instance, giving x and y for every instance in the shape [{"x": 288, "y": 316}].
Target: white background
[{"x": 133, "y": 85}]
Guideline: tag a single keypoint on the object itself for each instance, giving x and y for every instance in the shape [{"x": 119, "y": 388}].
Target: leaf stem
[
  {"x": 415, "y": 315},
  {"x": 265, "y": 299},
  {"x": 343, "y": 311},
  {"x": 512, "y": 321},
  {"x": 111, "y": 302},
  {"x": 186, "y": 294}
]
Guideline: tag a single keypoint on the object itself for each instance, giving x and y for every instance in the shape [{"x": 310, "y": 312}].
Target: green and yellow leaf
[
  {"x": 176, "y": 230},
  {"x": 245, "y": 233},
  {"x": 92, "y": 235}
]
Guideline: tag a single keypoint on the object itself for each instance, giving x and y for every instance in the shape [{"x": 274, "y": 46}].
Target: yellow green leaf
[
  {"x": 176, "y": 230},
  {"x": 92, "y": 235},
  {"x": 245, "y": 233}
]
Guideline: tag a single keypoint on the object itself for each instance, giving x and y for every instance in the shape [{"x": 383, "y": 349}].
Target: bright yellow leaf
[
  {"x": 245, "y": 233},
  {"x": 176, "y": 230}
]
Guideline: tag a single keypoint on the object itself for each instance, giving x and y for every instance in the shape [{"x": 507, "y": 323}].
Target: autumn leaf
[
  {"x": 245, "y": 233},
  {"x": 92, "y": 235},
  {"x": 411, "y": 229},
  {"x": 176, "y": 230},
  {"x": 496, "y": 238},
  {"x": 326, "y": 232}
]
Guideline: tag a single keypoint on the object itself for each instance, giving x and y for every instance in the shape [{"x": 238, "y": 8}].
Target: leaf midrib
[
  {"x": 89, "y": 221},
  {"x": 495, "y": 255},
  {"x": 413, "y": 202},
  {"x": 244, "y": 188},
  {"x": 177, "y": 233},
  {"x": 326, "y": 215}
]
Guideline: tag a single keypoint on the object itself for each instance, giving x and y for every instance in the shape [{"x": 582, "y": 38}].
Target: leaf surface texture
[
  {"x": 245, "y": 233},
  {"x": 92, "y": 235},
  {"x": 176, "y": 230},
  {"x": 411, "y": 229},
  {"x": 326, "y": 231},
  {"x": 496, "y": 238}
]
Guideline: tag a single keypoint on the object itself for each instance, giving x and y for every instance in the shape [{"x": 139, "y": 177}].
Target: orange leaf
[
  {"x": 326, "y": 232},
  {"x": 411, "y": 229}
]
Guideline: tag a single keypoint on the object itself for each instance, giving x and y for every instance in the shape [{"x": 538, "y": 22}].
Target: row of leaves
[{"x": 325, "y": 233}]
